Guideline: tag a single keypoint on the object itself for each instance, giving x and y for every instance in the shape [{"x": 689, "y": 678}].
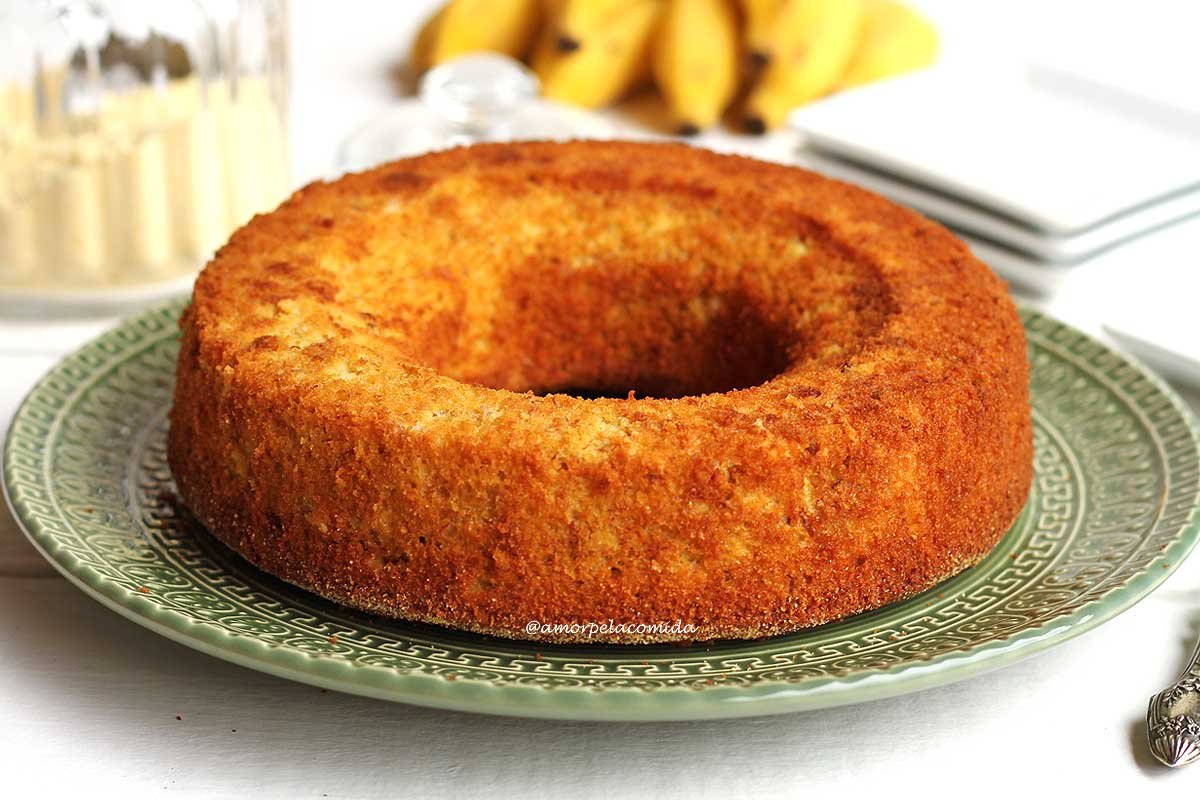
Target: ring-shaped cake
[{"x": 601, "y": 391}]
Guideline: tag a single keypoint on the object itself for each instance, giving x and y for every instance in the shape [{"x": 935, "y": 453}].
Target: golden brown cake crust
[{"x": 368, "y": 400}]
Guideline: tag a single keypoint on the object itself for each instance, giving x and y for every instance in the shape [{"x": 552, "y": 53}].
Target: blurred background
[{"x": 1062, "y": 139}]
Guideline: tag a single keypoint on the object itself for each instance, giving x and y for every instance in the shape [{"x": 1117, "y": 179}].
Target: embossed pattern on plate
[{"x": 1112, "y": 511}]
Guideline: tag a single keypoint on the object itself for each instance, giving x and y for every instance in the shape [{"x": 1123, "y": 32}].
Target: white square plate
[
  {"x": 1046, "y": 149},
  {"x": 974, "y": 220}
]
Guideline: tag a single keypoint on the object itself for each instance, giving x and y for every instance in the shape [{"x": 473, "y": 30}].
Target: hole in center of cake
[
  {"x": 651, "y": 344},
  {"x": 595, "y": 299},
  {"x": 595, "y": 341}
]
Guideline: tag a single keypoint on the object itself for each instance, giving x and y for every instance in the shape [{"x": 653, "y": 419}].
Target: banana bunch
[
  {"x": 593, "y": 53},
  {"x": 764, "y": 57},
  {"x": 472, "y": 26}
]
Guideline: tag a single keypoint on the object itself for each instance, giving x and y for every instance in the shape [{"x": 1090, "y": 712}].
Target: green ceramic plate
[{"x": 1112, "y": 512}]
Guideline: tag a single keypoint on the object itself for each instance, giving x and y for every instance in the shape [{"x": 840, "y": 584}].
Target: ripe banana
[
  {"x": 422, "y": 48},
  {"x": 607, "y": 63},
  {"x": 895, "y": 39},
  {"x": 696, "y": 60},
  {"x": 759, "y": 18},
  {"x": 501, "y": 26},
  {"x": 546, "y": 49},
  {"x": 578, "y": 19},
  {"x": 811, "y": 47}
]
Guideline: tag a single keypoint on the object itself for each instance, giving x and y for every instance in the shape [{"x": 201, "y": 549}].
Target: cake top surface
[{"x": 504, "y": 279}]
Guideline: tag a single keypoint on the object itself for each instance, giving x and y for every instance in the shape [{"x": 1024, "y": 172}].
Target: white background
[{"x": 88, "y": 701}]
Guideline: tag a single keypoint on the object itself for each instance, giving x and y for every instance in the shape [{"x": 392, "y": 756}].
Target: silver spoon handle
[{"x": 1173, "y": 719}]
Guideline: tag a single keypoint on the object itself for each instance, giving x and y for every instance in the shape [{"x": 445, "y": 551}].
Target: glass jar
[{"x": 134, "y": 137}]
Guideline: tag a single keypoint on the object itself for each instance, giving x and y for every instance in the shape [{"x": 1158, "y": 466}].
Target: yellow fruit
[
  {"x": 422, "y": 48},
  {"x": 759, "y": 18},
  {"x": 545, "y": 49},
  {"x": 606, "y": 64},
  {"x": 500, "y": 26},
  {"x": 545, "y": 52},
  {"x": 811, "y": 46},
  {"x": 695, "y": 60},
  {"x": 895, "y": 40},
  {"x": 577, "y": 20}
]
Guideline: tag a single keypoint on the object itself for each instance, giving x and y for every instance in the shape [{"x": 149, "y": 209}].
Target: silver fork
[{"x": 1173, "y": 720}]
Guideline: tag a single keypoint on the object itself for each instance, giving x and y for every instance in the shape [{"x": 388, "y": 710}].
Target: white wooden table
[{"x": 91, "y": 704}]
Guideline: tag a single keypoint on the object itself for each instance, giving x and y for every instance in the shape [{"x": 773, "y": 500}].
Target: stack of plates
[{"x": 1039, "y": 170}]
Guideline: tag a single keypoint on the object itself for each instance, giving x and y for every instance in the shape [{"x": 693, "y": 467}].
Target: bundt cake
[{"x": 594, "y": 391}]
